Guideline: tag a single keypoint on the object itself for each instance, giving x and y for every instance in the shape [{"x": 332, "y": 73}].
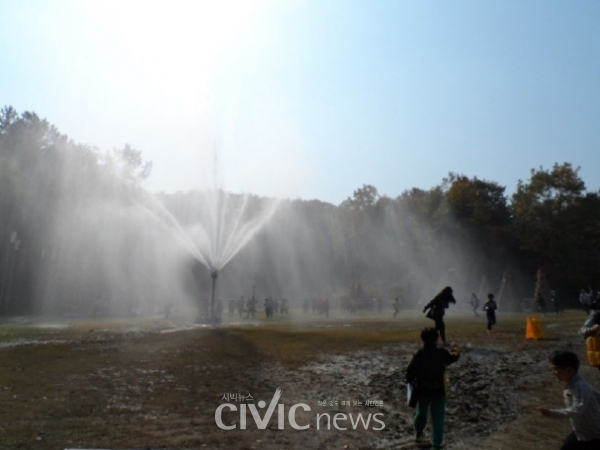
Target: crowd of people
[{"x": 247, "y": 309}]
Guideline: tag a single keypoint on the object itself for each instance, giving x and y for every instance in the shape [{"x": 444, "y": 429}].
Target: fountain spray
[{"x": 214, "y": 274}]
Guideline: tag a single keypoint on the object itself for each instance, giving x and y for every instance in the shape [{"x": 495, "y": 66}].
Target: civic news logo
[{"x": 339, "y": 421}]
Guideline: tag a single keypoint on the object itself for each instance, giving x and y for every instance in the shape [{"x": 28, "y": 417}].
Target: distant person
[
  {"x": 541, "y": 303},
  {"x": 285, "y": 307},
  {"x": 268, "y": 307},
  {"x": 305, "y": 305},
  {"x": 474, "y": 304},
  {"x": 555, "y": 302},
  {"x": 396, "y": 306},
  {"x": 436, "y": 309},
  {"x": 582, "y": 404},
  {"x": 167, "y": 310},
  {"x": 251, "y": 308},
  {"x": 426, "y": 371},
  {"x": 326, "y": 306},
  {"x": 490, "y": 308},
  {"x": 241, "y": 306}
]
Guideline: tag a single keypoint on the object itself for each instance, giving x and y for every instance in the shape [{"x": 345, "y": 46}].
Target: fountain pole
[{"x": 214, "y": 276}]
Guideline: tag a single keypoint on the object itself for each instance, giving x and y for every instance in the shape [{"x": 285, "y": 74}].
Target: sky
[{"x": 312, "y": 99}]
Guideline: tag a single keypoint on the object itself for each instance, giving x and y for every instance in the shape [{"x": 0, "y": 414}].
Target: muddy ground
[
  {"x": 160, "y": 388},
  {"x": 490, "y": 387}
]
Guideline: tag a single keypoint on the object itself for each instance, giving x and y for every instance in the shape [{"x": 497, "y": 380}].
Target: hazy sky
[{"x": 314, "y": 98}]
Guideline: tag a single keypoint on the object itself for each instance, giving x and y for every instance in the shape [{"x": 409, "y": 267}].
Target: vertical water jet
[{"x": 213, "y": 318}]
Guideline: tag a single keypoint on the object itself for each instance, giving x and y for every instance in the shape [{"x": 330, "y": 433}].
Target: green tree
[
  {"x": 46, "y": 182},
  {"x": 355, "y": 216},
  {"x": 132, "y": 164},
  {"x": 423, "y": 205},
  {"x": 363, "y": 199},
  {"x": 555, "y": 223},
  {"x": 477, "y": 203},
  {"x": 8, "y": 115},
  {"x": 540, "y": 206}
]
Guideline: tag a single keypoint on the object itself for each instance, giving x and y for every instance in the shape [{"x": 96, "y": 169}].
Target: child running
[
  {"x": 490, "y": 311},
  {"x": 582, "y": 404}
]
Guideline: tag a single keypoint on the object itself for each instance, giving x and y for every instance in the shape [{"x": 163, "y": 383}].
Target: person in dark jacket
[
  {"x": 437, "y": 308},
  {"x": 426, "y": 371},
  {"x": 490, "y": 312}
]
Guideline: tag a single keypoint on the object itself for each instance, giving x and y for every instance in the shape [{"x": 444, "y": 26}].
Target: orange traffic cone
[
  {"x": 533, "y": 328},
  {"x": 592, "y": 345}
]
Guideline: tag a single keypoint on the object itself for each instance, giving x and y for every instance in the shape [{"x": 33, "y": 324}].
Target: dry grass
[{"x": 298, "y": 345}]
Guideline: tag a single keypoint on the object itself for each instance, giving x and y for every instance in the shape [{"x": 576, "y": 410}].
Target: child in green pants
[{"x": 426, "y": 371}]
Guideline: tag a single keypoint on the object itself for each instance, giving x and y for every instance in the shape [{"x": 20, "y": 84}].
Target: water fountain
[
  {"x": 222, "y": 224},
  {"x": 124, "y": 251},
  {"x": 228, "y": 223}
]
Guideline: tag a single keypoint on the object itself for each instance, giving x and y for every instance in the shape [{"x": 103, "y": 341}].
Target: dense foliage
[{"x": 57, "y": 197}]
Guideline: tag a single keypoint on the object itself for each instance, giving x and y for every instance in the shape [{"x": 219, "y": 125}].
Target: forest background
[{"x": 71, "y": 236}]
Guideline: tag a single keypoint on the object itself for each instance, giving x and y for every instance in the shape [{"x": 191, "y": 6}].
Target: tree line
[{"x": 77, "y": 231}]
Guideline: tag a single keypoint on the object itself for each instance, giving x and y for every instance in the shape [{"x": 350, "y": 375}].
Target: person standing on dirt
[
  {"x": 582, "y": 403},
  {"x": 490, "y": 308},
  {"x": 426, "y": 371},
  {"x": 474, "y": 304},
  {"x": 591, "y": 325},
  {"x": 437, "y": 308}
]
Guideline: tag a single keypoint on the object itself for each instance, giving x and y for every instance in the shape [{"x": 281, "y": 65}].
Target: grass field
[{"x": 157, "y": 383}]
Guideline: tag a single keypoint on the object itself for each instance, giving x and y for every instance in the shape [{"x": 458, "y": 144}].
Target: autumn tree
[{"x": 555, "y": 222}]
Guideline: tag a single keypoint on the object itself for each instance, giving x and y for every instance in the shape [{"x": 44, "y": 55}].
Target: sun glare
[{"x": 173, "y": 45}]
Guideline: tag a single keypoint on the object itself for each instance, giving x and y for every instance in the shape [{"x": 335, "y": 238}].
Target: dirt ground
[{"x": 157, "y": 384}]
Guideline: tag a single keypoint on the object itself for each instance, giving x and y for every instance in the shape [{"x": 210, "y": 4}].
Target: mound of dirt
[{"x": 488, "y": 387}]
